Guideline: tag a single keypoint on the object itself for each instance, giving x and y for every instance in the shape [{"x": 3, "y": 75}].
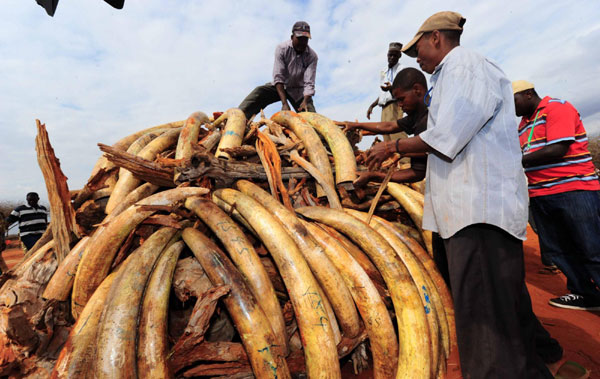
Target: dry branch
[{"x": 63, "y": 224}]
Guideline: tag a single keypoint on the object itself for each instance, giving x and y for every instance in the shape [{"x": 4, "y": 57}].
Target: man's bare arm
[
  {"x": 546, "y": 154},
  {"x": 282, "y": 96},
  {"x": 384, "y": 127}
]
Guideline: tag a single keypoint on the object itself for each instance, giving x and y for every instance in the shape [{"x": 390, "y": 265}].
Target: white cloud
[{"x": 95, "y": 74}]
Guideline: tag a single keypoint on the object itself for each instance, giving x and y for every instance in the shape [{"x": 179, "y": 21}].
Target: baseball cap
[
  {"x": 521, "y": 85},
  {"x": 440, "y": 21},
  {"x": 301, "y": 29},
  {"x": 395, "y": 46}
]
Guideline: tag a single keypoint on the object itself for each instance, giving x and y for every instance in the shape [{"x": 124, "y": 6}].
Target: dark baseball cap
[{"x": 301, "y": 29}]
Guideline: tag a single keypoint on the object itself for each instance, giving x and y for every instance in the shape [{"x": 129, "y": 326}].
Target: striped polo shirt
[
  {"x": 31, "y": 220},
  {"x": 555, "y": 121}
]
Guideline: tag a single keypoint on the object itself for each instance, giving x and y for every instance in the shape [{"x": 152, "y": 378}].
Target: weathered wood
[
  {"x": 197, "y": 327},
  {"x": 141, "y": 168},
  {"x": 240, "y": 151},
  {"x": 226, "y": 369},
  {"x": 63, "y": 224},
  {"x": 202, "y": 164},
  {"x": 189, "y": 279},
  {"x": 94, "y": 183}
]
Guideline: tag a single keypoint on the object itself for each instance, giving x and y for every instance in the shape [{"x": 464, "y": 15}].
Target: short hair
[
  {"x": 32, "y": 194},
  {"x": 452, "y": 35},
  {"x": 408, "y": 77}
]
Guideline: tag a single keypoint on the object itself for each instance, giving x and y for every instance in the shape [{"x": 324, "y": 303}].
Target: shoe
[{"x": 572, "y": 301}]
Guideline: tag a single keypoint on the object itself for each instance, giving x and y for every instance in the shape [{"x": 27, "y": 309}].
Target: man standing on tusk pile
[{"x": 294, "y": 75}]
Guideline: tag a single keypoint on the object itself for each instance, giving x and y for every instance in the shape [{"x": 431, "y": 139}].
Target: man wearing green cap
[
  {"x": 476, "y": 199},
  {"x": 563, "y": 191}
]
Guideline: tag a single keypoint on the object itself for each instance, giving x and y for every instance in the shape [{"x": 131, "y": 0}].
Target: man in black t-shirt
[{"x": 409, "y": 89}]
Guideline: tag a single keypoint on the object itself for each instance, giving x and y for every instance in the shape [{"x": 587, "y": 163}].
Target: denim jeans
[{"x": 569, "y": 231}]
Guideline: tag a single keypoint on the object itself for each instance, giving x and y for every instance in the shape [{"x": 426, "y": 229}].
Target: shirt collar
[
  {"x": 540, "y": 106},
  {"x": 438, "y": 68}
]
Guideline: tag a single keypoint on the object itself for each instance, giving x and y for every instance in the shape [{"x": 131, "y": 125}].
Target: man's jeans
[
  {"x": 569, "y": 231},
  {"x": 264, "y": 95}
]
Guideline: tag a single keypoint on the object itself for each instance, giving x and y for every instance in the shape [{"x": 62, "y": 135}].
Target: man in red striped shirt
[{"x": 564, "y": 192}]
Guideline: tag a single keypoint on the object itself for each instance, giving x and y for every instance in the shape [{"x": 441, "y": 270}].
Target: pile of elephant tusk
[{"x": 218, "y": 247}]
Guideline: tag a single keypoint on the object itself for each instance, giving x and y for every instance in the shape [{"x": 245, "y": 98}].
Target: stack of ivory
[{"x": 283, "y": 256}]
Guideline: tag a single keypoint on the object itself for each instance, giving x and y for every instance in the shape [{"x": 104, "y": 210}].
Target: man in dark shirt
[
  {"x": 294, "y": 73},
  {"x": 409, "y": 89},
  {"x": 32, "y": 218}
]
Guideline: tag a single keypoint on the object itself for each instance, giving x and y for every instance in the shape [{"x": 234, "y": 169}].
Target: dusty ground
[{"x": 577, "y": 331}]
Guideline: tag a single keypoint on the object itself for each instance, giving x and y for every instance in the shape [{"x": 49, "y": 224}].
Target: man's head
[
  {"x": 300, "y": 36},
  {"x": 32, "y": 199},
  {"x": 526, "y": 99},
  {"x": 394, "y": 53},
  {"x": 438, "y": 35},
  {"x": 409, "y": 89}
]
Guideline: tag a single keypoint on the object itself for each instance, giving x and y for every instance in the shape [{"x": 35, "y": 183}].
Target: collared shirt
[
  {"x": 296, "y": 71},
  {"x": 557, "y": 121},
  {"x": 388, "y": 74},
  {"x": 475, "y": 173},
  {"x": 31, "y": 220}
]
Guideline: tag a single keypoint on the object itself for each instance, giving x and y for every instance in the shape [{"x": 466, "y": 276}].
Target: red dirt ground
[{"x": 577, "y": 331}]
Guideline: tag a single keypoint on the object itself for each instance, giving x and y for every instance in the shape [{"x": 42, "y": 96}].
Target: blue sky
[{"x": 95, "y": 74}]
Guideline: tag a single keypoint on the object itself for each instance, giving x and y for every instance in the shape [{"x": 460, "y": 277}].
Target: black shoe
[{"x": 572, "y": 301}]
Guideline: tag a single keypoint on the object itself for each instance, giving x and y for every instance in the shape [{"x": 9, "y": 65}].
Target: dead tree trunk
[{"x": 63, "y": 224}]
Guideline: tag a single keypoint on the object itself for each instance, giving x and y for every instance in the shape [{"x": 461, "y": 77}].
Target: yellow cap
[
  {"x": 521, "y": 85},
  {"x": 440, "y": 21}
]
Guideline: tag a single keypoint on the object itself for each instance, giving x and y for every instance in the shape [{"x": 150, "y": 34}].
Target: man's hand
[
  {"x": 379, "y": 153},
  {"x": 363, "y": 178},
  {"x": 387, "y": 86},
  {"x": 285, "y": 106},
  {"x": 369, "y": 111},
  {"x": 303, "y": 106},
  {"x": 348, "y": 125}
]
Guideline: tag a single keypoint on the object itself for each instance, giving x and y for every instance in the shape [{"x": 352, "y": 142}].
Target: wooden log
[
  {"x": 63, "y": 224},
  {"x": 202, "y": 164},
  {"x": 141, "y": 168},
  {"x": 197, "y": 327}
]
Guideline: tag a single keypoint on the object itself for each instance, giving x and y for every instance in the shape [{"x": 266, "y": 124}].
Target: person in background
[
  {"x": 564, "y": 192},
  {"x": 294, "y": 75},
  {"x": 32, "y": 218},
  {"x": 476, "y": 199},
  {"x": 3, "y": 266},
  {"x": 390, "y": 112}
]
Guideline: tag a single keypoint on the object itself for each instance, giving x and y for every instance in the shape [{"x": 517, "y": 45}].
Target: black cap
[{"x": 301, "y": 29}]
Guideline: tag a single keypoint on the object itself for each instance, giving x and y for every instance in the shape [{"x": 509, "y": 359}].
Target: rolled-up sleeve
[
  {"x": 468, "y": 103},
  {"x": 279, "y": 68},
  {"x": 309, "y": 78}
]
